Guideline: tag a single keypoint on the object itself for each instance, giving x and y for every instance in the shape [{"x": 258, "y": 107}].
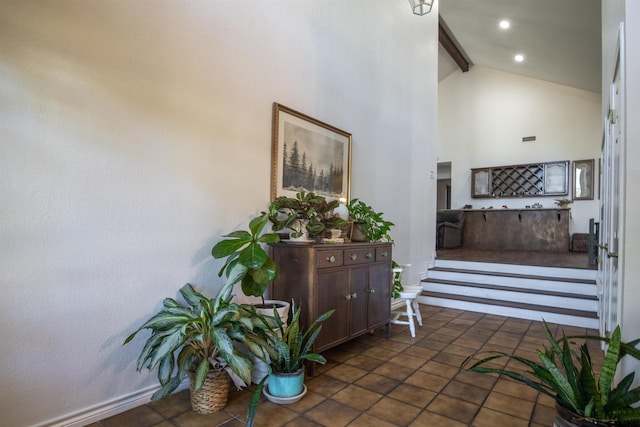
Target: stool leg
[
  {"x": 416, "y": 308},
  {"x": 412, "y": 326}
]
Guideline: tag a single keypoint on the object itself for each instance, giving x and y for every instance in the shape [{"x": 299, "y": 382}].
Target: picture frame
[
  {"x": 555, "y": 178},
  {"x": 582, "y": 172},
  {"x": 309, "y": 155}
]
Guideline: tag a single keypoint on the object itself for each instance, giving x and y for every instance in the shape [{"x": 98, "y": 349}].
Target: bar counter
[{"x": 535, "y": 229}]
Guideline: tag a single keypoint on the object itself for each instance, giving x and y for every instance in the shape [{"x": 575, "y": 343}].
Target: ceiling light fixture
[
  {"x": 421, "y": 7},
  {"x": 504, "y": 24},
  {"x": 518, "y": 58}
]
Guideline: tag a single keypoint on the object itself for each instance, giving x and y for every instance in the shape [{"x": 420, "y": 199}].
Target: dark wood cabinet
[{"x": 354, "y": 279}]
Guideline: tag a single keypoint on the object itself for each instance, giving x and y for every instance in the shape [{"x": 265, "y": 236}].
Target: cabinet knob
[
  {"x": 354, "y": 295},
  {"x": 353, "y": 257},
  {"x": 372, "y": 291},
  {"x": 385, "y": 254},
  {"x": 331, "y": 259},
  {"x": 369, "y": 255},
  {"x": 347, "y": 297}
]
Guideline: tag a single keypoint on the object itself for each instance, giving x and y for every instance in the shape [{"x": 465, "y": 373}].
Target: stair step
[
  {"x": 513, "y": 289},
  {"x": 564, "y": 272},
  {"x": 513, "y": 275},
  {"x": 515, "y": 281},
  {"x": 567, "y": 296},
  {"x": 501, "y": 303}
]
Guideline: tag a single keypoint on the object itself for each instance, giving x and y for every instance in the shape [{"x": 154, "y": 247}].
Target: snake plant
[
  {"x": 289, "y": 347},
  {"x": 566, "y": 373}
]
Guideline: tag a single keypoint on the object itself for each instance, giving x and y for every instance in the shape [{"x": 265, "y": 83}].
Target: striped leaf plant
[
  {"x": 199, "y": 335},
  {"x": 566, "y": 373}
]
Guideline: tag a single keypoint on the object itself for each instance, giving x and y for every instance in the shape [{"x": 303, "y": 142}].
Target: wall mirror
[{"x": 583, "y": 179}]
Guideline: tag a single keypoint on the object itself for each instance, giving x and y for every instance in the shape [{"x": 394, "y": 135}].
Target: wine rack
[
  {"x": 528, "y": 180},
  {"x": 517, "y": 181}
]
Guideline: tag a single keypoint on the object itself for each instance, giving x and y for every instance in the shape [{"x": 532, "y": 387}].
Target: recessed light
[
  {"x": 504, "y": 24},
  {"x": 518, "y": 58}
]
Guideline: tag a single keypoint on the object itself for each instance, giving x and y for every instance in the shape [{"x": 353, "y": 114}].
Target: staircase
[{"x": 565, "y": 296}]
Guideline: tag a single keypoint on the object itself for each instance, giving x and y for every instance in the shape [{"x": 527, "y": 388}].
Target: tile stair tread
[
  {"x": 533, "y": 307},
  {"x": 512, "y": 289},
  {"x": 515, "y": 275}
]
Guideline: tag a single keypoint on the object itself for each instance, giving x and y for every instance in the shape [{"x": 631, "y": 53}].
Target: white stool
[{"x": 409, "y": 295}]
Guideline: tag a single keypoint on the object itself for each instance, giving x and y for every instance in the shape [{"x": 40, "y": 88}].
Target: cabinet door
[
  {"x": 359, "y": 284},
  {"x": 379, "y": 295},
  {"x": 480, "y": 182},
  {"x": 333, "y": 293}
]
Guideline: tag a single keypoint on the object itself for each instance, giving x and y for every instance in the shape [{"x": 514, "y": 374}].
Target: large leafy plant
[
  {"x": 245, "y": 253},
  {"x": 202, "y": 331},
  {"x": 375, "y": 227},
  {"x": 306, "y": 211},
  {"x": 568, "y": 376}
]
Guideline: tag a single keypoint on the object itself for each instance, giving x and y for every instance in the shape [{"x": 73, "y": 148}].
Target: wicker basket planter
[{"x": 212, "y": 396}]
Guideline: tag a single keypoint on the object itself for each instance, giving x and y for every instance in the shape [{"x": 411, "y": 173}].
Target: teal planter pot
[{"x": 286, "y": 384}]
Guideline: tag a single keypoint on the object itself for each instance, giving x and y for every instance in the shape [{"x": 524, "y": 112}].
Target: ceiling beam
[{"x": 448, "y": 43}]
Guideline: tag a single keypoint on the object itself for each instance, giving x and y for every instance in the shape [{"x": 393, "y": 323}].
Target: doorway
[{"x": 444, "y": 186}]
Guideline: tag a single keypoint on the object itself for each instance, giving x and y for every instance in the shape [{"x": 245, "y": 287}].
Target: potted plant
[
  {"x": 567, "y": 375},
  {"x": 202, "y": 331},
  {"x": 369, "y": 225},
  {"x": 243, "y": 249},
  {"x": 245, "y": 254},
  {"x": 563, "y": 203},
  {"x": 288, "y": 349},
  {"x": 306, "y": 213},
  {"x": 397, "y": 287}
]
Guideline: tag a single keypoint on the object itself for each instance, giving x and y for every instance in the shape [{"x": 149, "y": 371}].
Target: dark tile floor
[{"x": 400, "y": 381}]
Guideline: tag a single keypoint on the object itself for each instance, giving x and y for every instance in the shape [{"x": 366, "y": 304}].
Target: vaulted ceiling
[{"x": 560, "y": 40}]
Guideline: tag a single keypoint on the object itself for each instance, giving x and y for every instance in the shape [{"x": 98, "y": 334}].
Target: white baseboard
[{"x": 107, "y": 409}]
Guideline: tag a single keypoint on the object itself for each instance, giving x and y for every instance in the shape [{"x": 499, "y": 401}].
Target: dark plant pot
[
  {"x": 286, "y": 384},
  {"x": 358, "y": 234},
  {"x": 567, "y": 418}
]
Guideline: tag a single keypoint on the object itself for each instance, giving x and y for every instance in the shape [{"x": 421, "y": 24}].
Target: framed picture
[
  {"x": 583, "y": 179},
  {"x": 555, "y": 178},
  {"x": 309, "y": 155},
  {"x": 479, "y": 182}
]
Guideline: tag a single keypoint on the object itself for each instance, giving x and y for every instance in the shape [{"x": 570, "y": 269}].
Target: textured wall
[{"x": 135, "y": 133}]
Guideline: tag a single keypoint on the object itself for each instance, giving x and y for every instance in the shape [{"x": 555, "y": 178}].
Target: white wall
[
  {"x": 483, "y": 116},
  {"x": 135, "y": 133},
  {"x": 613, "y": 13}
]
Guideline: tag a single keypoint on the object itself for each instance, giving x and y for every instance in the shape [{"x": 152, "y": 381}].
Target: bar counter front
[{"x": 542, "y": 229}]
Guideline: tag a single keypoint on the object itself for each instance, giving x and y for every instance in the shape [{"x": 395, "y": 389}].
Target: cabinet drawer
[
  {"x": 383, "y": 254},
  {"x": 359, "y": 256},
  {"x": 326, "y": 259}
]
